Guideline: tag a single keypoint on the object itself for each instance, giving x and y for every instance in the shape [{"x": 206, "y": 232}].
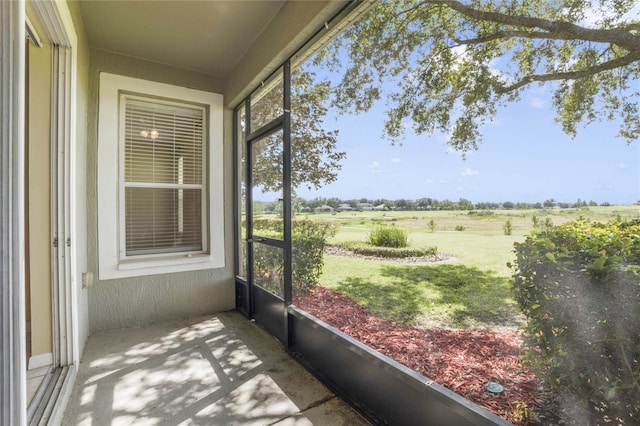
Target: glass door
[
  {"x": 263, "y": 194},
  {"x": 266, "y": 242}
]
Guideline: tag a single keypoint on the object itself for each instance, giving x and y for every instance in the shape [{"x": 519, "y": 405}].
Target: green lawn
[
  {"x": 440, "y": 295},
  {"x": 470, "y": 291}
]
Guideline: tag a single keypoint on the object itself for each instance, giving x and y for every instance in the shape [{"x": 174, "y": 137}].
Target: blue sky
[{"x": 525, "y": 156}]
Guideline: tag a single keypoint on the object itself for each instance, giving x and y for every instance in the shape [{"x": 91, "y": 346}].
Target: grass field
[
  {"x": 482, "y": 243},
  {"x": 470, "y": 291}
]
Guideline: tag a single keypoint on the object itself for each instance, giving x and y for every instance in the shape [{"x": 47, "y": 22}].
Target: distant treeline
[{"x": 433, "y": 204}]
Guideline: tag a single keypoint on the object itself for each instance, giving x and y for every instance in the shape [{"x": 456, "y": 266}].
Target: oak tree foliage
[
  {"x": 314, "y": 154},
  {"x": 454, "y": 63}
]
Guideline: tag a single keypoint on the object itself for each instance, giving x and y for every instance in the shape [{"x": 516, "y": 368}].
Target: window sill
[
  {"x": 174, "y": 260},
  {"x": 162, "y": 265}
]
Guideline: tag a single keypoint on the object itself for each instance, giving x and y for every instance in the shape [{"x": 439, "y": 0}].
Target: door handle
[{"x": 255, "y": 240}]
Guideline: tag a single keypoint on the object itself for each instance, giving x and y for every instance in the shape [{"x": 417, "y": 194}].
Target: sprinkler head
[{"x": 494, "y": 387}]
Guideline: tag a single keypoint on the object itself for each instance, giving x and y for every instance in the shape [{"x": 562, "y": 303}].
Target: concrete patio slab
[{"x": 213, "y": 370}]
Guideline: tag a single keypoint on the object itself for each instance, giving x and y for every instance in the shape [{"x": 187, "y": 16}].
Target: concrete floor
[{"x": 214, "y": 370}]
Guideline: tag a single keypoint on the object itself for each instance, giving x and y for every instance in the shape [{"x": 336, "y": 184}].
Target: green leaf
[{"x": 598, "y": 265}]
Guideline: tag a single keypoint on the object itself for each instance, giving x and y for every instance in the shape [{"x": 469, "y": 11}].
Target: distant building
[
  {"x": 380, "y": 207},
  {"x": 365, "y": 206},
  {"x": 344, "y": 207},
  {"x": 323, "y": 208}
]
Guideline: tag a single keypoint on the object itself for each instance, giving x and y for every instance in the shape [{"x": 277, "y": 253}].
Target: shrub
[
  {"x": 541, "y": 225},
  {"x": 364, "y": 249},
  {"x": 507, "y": 227},
  {"x": 579, "y": 286},
  {"x": 388, "y": 236},
  {"x": 308, "y": 241},
  {"x": 460, "y": 228},
  {"x": 535, "y": 222},
  {"x": 432, "y": 225},
  {"x": 481, "y": 213}
]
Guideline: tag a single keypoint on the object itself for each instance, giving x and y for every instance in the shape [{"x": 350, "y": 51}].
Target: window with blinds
[{"x": 163, "y": 179}]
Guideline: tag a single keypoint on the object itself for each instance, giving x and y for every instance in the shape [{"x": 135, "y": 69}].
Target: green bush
[
  {"x": 541, "y": 225},
  {"x": 364, "y": 249},
  {"x": 388, "y": 236},
  {"x": 579, "y": 286},
  {"x": 481, "y": 213},
  {"x": 308, "y": 242},
  {"x": 507, "y": 227},
  {"x": 460, "y": 228}
]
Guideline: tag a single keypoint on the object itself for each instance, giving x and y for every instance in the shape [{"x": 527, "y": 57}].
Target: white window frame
[{"x": 113, "y": 263}]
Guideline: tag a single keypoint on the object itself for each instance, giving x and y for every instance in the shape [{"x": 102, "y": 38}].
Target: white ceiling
[{"x": 208, "y": 36}]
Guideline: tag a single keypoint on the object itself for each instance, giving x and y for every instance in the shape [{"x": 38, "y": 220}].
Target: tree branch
[
  {"x": 515, "y": 34},
  {"x": 634, "y": 26},
  {"x": 618, "y": 36},
  {"x": 573, "y": 75}
]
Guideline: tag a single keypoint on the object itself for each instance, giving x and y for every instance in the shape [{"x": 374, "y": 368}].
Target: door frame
[
  {"x": 12, "y": 249},
  {"x": 59, "y": 29},
  {"x": 266, "y": 308},
  {"x": 275, "y": 317},
  {"x": 57, "y": 23}
]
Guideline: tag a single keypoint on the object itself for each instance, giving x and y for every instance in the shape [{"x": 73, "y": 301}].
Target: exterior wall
[
  {"x": 140, "y": 300},
  {"x": 38, "y": 193}
]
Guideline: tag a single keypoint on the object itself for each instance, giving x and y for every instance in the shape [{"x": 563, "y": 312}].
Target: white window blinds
[{"x": 163, "y": 177}]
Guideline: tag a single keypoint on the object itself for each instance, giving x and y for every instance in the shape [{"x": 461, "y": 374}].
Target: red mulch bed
[{"x": 461, "y": 360}]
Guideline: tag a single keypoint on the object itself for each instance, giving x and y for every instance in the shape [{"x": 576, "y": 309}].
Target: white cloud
[
  {"x": 374, "y": 167},
  {"x": 460, "y": 50},
  {"x": 594, "y": 16},
  {"x": 497, "y": 72},
  {"x": 623, "y": 166},
  {"x": 461, "y": 54},
  {"x": 443, "y": 181},
  {"x": 469, "y": 172},
  {"x": 429, "y": 181},
  {"x": 537, "y": 103},
  {"x": 396, "y": 160}
]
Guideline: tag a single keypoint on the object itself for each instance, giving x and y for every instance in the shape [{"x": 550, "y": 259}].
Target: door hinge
[
  {"x": 68, "y": 242},
  {"x": 55, "y": 242}
]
